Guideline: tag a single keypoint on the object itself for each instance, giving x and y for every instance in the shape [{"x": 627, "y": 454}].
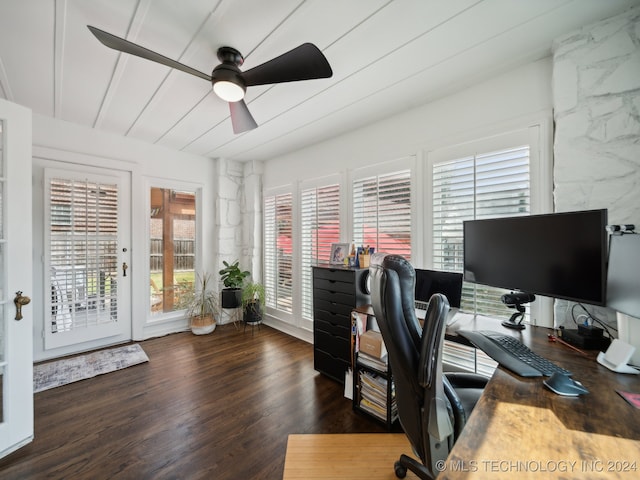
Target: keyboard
[{"x": 512, "y": 354}]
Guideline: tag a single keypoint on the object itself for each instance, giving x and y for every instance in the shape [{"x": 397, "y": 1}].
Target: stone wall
[
  {"x": 596, "y": 92},
  {"x": 229, "y": 221}
]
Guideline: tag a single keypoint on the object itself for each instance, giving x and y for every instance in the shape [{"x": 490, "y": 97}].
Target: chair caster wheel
[{"x": 400, "y": 470}]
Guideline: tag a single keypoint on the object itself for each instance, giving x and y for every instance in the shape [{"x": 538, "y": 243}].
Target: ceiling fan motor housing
[{"x": 228, "y": 70}]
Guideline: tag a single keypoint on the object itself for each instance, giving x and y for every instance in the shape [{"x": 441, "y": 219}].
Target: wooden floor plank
[{"x": 214, "y": 406}]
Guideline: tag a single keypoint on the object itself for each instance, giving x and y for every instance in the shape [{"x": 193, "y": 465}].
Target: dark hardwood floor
[{"x": 218, "y": 406}]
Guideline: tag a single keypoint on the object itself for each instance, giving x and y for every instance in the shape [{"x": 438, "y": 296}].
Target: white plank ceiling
[{"x": 387, "y": 56}]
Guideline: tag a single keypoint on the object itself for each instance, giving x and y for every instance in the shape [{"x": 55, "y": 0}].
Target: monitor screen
[
  {"x": 559, "y": 255},
  {"x": 623, "y": 282},
  {"x": 429, "y": 282}
]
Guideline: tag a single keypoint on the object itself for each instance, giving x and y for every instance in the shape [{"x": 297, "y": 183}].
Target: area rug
[
  {"x": 353, "y": 456},
  {"x": 68, "y": 370}
]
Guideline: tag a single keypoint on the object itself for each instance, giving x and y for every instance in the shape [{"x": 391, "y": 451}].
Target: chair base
[{"x": 407, "y": 463}]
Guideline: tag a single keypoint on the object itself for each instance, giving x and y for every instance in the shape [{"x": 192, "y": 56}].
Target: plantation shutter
[
  {"x": 83, "y": 253},
  {"x": 278, "y": 244},
  {"x": 382, "y": 212},
  {"x": 320, "y": 226},
  {"x": 488, "y": 185}
]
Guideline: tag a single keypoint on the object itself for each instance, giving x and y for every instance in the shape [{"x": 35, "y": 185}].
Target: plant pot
[
  {"x": 203, "y": 324},
  {"x": 231, "y": 297},
  {"x": 253, "y": 313}
]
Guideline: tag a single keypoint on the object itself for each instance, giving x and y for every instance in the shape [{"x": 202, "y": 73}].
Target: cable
[{"x": 592, "y": 317}]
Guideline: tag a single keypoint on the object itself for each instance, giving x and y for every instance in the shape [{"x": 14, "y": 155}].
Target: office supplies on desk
[
  {"x": 512, "y": 354},
  {"x": 553, "y": 338}
]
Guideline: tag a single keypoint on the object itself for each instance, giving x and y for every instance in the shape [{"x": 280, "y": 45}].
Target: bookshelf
[{"x": 373, "y": 388}]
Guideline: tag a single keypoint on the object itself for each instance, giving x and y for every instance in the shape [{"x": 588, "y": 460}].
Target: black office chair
[{"x": 432, "y": 407}]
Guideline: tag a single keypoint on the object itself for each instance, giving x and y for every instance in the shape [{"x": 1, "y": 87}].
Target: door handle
[
  {"x": 19, "y": 301},
  {"x": 124, "y": 269}
]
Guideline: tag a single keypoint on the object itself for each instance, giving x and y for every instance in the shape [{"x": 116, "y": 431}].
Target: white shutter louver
[
  {"x": 320, "y": 226},
  {"x": 488, "y": 185},
  {"x": 278, "y": 251},
  {"x": 83, "y": 250},
  {"x": 382, "y": 212}
]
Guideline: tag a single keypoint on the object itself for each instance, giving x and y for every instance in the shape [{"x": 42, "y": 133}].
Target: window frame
[{"x": 537, "y": 136}]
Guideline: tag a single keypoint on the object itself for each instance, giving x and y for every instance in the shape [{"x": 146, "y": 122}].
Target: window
[
  {"x": 278, "y": 251},
  {"x": 382, "y": 212},
  {"x": 487, "y": 185},
  {"x": 320, "y": 227},
  {"x": 172, "y": 248}
]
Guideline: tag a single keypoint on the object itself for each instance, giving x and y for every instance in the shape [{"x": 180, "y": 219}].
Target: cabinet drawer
[
  {"x": 335, "y": 274},
  {"x": 328, "y": 321},
  {"x": 329, "y": 365},
  {"x": 348, "y": 298},
  {"x": 336, "y": 346},
  {"x": 332, "y": 307},
  {"x": 324, "y": 284}
]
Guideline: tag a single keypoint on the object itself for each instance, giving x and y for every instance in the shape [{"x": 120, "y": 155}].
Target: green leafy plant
[
  {"x": 231, "y": 275},
  {"x": 253, "y": 296},
  {"x": 201, "y": 302}
]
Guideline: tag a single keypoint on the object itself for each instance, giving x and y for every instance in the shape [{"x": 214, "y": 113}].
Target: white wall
[
  {"x": 596, "y": 92},
  {"x": 58, "y": 143},
  {"x": 508, "y": 100},
  {"x": 511, "y": 101}
]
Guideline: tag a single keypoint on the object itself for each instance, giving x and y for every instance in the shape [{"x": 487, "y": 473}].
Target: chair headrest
[{"x": 406, "y": 276}]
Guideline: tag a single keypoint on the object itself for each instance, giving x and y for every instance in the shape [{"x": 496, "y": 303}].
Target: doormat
[{"x": 69, "y": 370}]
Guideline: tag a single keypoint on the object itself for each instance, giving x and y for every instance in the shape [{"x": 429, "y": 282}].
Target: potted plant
[
  {"x": 201, "y": 305},
  {"x": 232, "y": 278},
  {"x": 253, "y": 301}
]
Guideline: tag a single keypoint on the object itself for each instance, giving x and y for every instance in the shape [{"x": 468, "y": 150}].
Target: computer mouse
[{"x": 564, "y": 385}]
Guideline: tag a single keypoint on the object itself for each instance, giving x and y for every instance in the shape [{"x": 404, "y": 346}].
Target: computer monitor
[
  {"x": 558, "y": 255},
  {"x": 429, "y": 282},
  {"x": 623, "y": 288}
]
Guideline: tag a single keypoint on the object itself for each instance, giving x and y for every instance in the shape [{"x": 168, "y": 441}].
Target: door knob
[
  {"x": 19, "y": 301},
  {"x": 124, "y": 269}
]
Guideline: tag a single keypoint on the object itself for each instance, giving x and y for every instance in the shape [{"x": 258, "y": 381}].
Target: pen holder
[{"x": 364, "y": 260}]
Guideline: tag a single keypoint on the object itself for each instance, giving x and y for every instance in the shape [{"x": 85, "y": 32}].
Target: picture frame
[{"x": 339, "y": 251}]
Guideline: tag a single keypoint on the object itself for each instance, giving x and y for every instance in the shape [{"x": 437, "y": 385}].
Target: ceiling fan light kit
[
  {"x": 305, "y": 62},
  {"x": 226, "y": 78}
]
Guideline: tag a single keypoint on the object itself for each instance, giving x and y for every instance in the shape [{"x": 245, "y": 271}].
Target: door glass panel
[
  {"x": 172, "y": 248},
  {"x": 83, "y": 246}
]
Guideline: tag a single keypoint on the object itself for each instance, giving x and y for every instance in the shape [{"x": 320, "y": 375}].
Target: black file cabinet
[{"x": 336, "y": 291}]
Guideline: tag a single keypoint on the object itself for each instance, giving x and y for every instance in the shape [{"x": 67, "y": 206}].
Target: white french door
[
  {"x": 16, "y": 341},
  {"x": 86, "y": 257}
]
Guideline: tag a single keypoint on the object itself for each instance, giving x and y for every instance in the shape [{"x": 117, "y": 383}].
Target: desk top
[{"x": 520, "y": 429}]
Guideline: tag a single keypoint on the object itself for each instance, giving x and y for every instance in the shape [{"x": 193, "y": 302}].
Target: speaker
[{"x": 363, "y": 290}]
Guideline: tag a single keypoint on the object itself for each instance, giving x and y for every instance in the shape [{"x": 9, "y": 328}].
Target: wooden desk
[{"x": 520, "y": 429}]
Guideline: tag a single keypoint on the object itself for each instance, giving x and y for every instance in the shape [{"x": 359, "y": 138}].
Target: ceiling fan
[{"x": 305, "y": 62}]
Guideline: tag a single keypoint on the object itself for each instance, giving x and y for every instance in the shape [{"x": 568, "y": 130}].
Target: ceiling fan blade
[
  {"x": 126, "y": 46},
  {"x": 241, "y": 118},
  {"x": 305, "y": 62}
]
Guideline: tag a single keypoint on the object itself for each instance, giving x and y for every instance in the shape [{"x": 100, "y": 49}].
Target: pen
[{"x": 553, "y": 338}]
